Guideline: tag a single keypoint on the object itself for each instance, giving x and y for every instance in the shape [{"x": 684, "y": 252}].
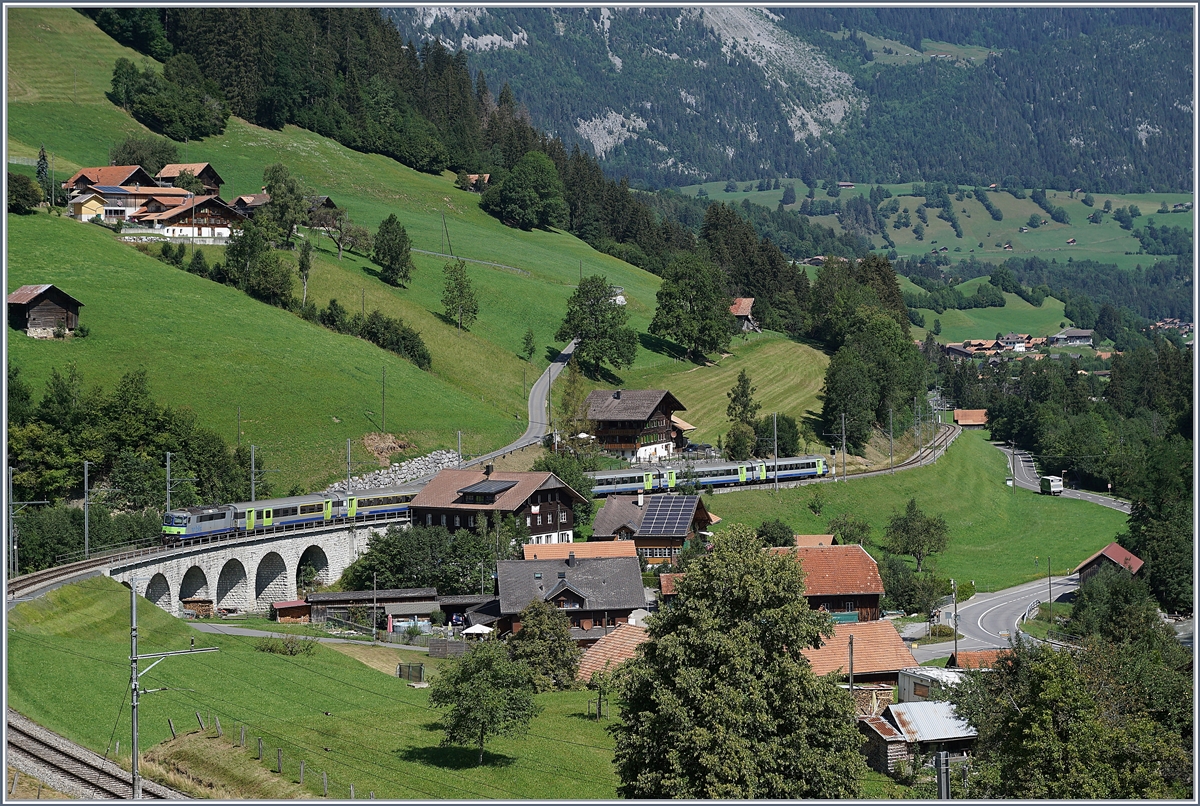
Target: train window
[
  {"x": 308, "y": 509},
  {"x": 241, "y": 516},
  {"x": 285, "y": 512}
]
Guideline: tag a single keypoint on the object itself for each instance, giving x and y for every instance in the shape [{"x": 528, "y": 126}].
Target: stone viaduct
[{"x": 247, "y": 573}]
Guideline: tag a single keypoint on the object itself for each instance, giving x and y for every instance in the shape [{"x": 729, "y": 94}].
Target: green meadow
[
  {"x": 68, "y": 669},
  {"x": 995, "y": 532}
]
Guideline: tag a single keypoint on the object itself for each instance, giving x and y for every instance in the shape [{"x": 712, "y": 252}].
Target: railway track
[{"x": 70, "y": 768}]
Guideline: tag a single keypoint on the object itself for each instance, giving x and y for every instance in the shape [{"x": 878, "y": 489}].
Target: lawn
[
  {"x": 68, "y": 669},
  {"x": 1017, "y": 316},
  {"x": 995, "y": 532},
  {"x": 302, "y": 390}
]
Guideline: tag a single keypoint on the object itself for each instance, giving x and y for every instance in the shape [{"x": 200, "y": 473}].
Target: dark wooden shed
[{"x": 39, "y": 309}]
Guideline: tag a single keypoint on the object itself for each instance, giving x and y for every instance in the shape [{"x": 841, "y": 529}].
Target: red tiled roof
[
  {"x": 592, "y": 548},
  {"x": 1119, "y": 555},
  {"x": 741, "y": 306},
  {"x": 612, "y": 650},
  {"x": 294, "y": 603},
  {"x": 173, "y": 170},
  {"x": 442, "y": 490},
  {"x": 813, "y": 540},
  {"x": 878, "y": 648},
  {"x": 834, "y": 570},
  {"x": 666, "y": 583},
  {"x": 979, "y": 659},
  {"x": 106, "y": 175},
  {"x": 970, "y": 416}
]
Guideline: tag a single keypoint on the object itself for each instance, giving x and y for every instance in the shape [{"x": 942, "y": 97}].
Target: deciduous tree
[
  {"x": 693, "y": 308},
  {"x": 23, "y": 194},
  {"x": 720, "y": 701},
  {"x": 544, "y": 644},
  {"x": 488, "y": 694},
  {"x": 287, "y": 207},
  {"x": 458, "y": 295},
  {"x": 189, "y": 182},
  {"x": 916, "y": 534},
  {"x": 530, "y": 196},
  {"x": 598, "y": 322}
]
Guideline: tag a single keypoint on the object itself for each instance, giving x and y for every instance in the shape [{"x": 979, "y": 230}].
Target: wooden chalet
[
  {"x": 842, "y": 580},
  {"x": 40, "y": 309},
  {"x": 201, "y": 170},
  {"x": 657, "y": 525},
  {"x": 110, "y": 175},
  {"x": 595, "y": 594},
  {"x": 1114, "y": 555},
  {"x": 457, "y": 498},
  {"x": 249, "y": 203},
  {"x": 879, "y": 653},
  {"x": 741, "y": 309},
  {"x": 193, "y": 216},
  {"x": 634, "y": 424}
]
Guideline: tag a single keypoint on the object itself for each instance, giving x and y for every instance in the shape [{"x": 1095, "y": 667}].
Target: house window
[
  {"x": 428, "y": 519},
  {"x": 539, "y": 520},
  {"x": 471, "y": 521},
  {"x": 528, "y": 521},
  {"x": 443, "y": 519},
  {"x": 920, "y": 690},
  {"x": 562, "y": 516},
  {"x": 455, "y": 521}
]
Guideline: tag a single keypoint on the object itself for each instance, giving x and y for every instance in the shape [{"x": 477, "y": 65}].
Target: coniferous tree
[
  {"x": 393, "y": 252},
  {"x": 458, "y": 295}
]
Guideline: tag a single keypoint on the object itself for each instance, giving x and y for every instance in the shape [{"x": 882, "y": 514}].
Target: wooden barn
[{"x": 39, "y": 309}]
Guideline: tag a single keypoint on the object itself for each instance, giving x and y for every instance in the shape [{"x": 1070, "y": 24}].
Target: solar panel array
[
  {"x": 489, "y": 487},
  {"x": 668, "y": 515},
  {"x": 109, "y": 189}
]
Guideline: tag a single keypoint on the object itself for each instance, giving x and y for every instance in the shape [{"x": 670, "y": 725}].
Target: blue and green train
[{"x": 723, "y": 474}]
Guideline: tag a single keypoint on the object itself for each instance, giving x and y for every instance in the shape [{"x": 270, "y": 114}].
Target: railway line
[{"x": 70, "y": 768}]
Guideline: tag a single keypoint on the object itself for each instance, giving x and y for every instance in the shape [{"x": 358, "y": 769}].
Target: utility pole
[
  {"x": 135, "y": 690},
  {"x": 85, "y": 508},
  {"x": 460, "y": 450},
  {"x": 239, "y": 435},
  {"x": 171, "y": 482},
  {"x": 852, "y": 671},
  {"x": 891, "y": 463},
  {"x": 13, "y": 508},
  {"x": 775, "y": 427},
  {"x": 1049, "y": 590},
  {"x": 348, "y": 476},
  {"x": 253, "y": 496},
  {"x": 383, "y": 408},
  {"x": 954, "y": 626},
  {"x": 374, "y": 603},
  {"x": 843, "y": 446},
  {"x": 1012, "y": 465}
]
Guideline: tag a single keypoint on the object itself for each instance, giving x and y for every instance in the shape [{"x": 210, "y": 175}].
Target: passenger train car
[
  {"x": 287, "y": 514},
  {"x": 724, "y": 474}
]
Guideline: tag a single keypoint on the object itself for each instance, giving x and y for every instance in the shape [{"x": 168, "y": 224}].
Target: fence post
[
  {"x": 325, "y": 784},
  {"x": 279, "y": 760},
  {"x": 243, "y": 740},
  {"x": 218, "y": 719},
  {"x": 351, "y": 791},
  {"x": 200, "y": 719},
  {"x": 16, "y": 775},
  {"x": 171, "y": 725},
  {"x": 260, "y": 748},
  {"x": 301, "y": 773}
]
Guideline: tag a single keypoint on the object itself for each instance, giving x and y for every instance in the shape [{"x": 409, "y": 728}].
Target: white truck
[{"x": 1052, "y": 485}]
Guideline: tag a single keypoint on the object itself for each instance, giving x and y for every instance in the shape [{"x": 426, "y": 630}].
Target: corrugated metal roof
[
  {"x": 948, "y": 676},
  {"x": 410, "y": 608},
  {"x": 27, "y": 293},
  {"x": 928, "y": 721}
]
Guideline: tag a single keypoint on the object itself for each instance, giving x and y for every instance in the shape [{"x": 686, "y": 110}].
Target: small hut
[{"x": 40, "y": 309}]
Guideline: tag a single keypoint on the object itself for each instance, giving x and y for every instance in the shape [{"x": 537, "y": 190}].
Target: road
[
  {"x": 246, "y": 632},
  {"x": 987, "y": 620},
  {"x": 1027, "y": 479},
  {"x": 539, "y": 420}
]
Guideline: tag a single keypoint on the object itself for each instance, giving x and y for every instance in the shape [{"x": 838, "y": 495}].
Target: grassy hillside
[
  {"x": 68, "y": 669},
  {"x": 1017, "y": 316},
  {"x": 995, "y": 533},
  {"x": 303, "y": 390},
  {"x": 78, "y": 125}
]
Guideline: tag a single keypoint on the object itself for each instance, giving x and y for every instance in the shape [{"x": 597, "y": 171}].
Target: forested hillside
[{"x": 1062, "y": 98}]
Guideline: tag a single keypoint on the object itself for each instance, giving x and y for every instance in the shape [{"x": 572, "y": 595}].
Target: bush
[
  {"x": 940, "y": 631},
  {"x": 291, "y": 645},
  {"x": 82, "y": 332}
]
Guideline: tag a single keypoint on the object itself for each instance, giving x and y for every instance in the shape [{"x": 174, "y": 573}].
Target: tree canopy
[
  {"x": 598, "y": 322},
  {"x": 544, "y": 644},
  {"x": 393, "y": 252},
  {"x": 530, "y": 196},
  {"x": 916, "y": 534},
  {"x": 721, "y": 703},
  {"x": 693, "y": 308}
]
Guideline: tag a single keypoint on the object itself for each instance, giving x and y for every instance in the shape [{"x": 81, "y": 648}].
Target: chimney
[
  {"x": 641, "y": 499},
  {"x": 488, "y": 468},
  {"x": 571, "y": 559},
  {"x": 617, "y": 395}
]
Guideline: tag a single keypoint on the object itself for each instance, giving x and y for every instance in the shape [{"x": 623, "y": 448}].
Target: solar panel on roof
[
  {"x": 668, "y": 515},
  {"x": 109, "y": 189},
  {"x": 488, "y": 487}
]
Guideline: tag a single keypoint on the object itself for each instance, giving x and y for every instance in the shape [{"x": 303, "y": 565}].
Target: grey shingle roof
[
  {"x": 366, "y": 596},
  {"x": 410, "y": 608},
  {"x": 618, "y": 511},
  {"x": 606, "y": 583},
  {"x": 628, "y": 404}
]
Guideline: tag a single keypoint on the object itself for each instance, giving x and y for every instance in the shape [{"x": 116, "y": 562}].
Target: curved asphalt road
[{"x": 1027, "y": 479}]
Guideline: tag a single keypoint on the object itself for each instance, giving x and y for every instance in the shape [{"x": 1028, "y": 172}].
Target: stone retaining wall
[{"x": 400, "y": 473}]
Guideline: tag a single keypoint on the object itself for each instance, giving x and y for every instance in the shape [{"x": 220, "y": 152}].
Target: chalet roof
[
  {"x": 628, "y": 404},
  {"x": 669, "y": 515},
  {"x": 252, "y": 199},
  {"x": 592, "y": 548},
  {"x": 486, "y": 613},
  {"x": 611, "y": 651},
  {"x": 742, "y": 306},
  {"x": 443, "y": 490},
  {"x": 666, "y": 583},
  {"x": 605, "y": 583},
  {"x": 173, "y": 170},
  {"x": 836, "y": 570},
  {"x": 970, "y": 416},
  {"x": 1072, "y": 332},
  {"x": 1118, "y": 554},
  {"x": 878, "y": 648},
  {"x": 978, "y": 659},
  {"x": 681, "y": 424},
  {"x": 465, "y": 600},
  {"x": 929, "y": 721},
  {"x": 189, "y": 205},
  {"x": 108, "y": 175},
  {"x": 813, "y": 540},
  {"x": 410, "y": 608},
  {"x": 28, "y": 293}
]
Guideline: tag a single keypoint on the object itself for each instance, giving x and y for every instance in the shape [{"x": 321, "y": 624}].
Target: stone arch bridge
[{"x": 246, "y": 574}]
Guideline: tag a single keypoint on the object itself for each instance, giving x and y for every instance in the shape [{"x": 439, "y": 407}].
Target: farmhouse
[
  {"x": 111, "y": 175},
  {"x": 1071, "y": 337},
  {"x": 195, "y": 216},
  {"x": 1111, "y": 555},
  {"x": 457, "y": 498},
  {"x": 249, "y": 203},
  {"x": 1015, "y": 341},
  {"x": 201, "y": 170},
  {"x": 842, "y": 580},
  {"x": 595, "y": 594},
  {"x": 657, "y": 525},
  {"x": 970, "y": 418},
  {"x": 740, "y": 309},
  {"x": 40, "y": 309},
  {"x": 879, "y": 653},
  {"x": 635, "y": 424}
]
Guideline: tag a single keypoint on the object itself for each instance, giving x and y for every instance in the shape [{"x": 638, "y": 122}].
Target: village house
[
  {"x": 611, "y": 651},
  {"x": 740, "y": 309},
  {"x": 636, "y": 424},
  {"x": 1015, "y": 341},
  {"x": 109, "y": 175},
  {"x": 1071, "y": 337},
  {"x": 203, "y": 171},
  {"x": 656, "y": 525},
  {"x": 879, "y": 653},
  {"x": 39, "y": 310},
  {"x": 122, "y": 203},
  {"x": 193, "y": 217},
  {"x": 248, "y": 204},
  {"x": 595, "y": 594},
  {"x": 1113, "y": 555},
  {"x": 970, "y": 418},
  {"x": 457, "y": 498}
]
